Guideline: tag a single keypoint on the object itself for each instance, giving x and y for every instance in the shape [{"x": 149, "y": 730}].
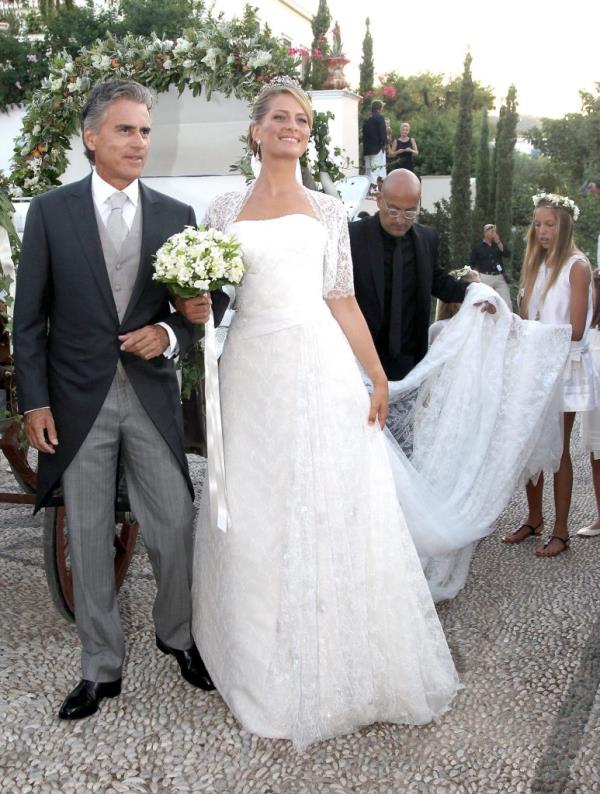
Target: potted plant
[{"x": 336, "y": 62}]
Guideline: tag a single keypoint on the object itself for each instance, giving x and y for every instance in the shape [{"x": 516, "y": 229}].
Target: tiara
[
  {"x": 281, "y": 81},
  {"x": 556, "y": 200}
]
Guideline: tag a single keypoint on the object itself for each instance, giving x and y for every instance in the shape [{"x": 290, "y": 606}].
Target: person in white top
[
  {"x": 590, "y": 421},
  {"x": 557, "y": 288}
]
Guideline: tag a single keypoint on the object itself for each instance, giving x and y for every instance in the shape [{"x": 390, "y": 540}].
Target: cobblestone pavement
[{"x": 525, "y": 634}]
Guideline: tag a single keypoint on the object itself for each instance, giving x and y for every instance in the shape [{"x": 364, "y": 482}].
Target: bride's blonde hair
[{"x": 261, "y": 105}]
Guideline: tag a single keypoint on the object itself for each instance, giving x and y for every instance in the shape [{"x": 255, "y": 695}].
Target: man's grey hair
[{"x": 102, "y": 94}]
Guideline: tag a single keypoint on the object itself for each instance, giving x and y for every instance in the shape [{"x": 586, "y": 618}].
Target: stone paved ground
[{"x": 525, "y": 634}]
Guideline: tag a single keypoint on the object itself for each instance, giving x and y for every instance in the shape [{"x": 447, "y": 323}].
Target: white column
[{"x": 343, "y": 129}]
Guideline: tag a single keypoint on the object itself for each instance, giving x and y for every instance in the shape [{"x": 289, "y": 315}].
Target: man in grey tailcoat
[{"x": 94, "y": 340}]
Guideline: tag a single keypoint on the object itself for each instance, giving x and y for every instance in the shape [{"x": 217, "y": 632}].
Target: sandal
[
  {"x": 532, "y": 532},
  {"x": 565, "y": 546}
]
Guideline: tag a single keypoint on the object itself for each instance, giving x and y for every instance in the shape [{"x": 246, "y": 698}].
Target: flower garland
[
  {"x": 556, "y": 200},
  {"x": 234, "y": 56}
]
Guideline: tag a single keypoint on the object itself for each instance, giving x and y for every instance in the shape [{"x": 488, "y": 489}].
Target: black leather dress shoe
[
  {"x": 191, "y": 664},
  {"x": 85, "y": 698}
]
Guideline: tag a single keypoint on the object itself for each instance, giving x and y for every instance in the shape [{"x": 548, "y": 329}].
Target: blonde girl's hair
[
  {"x": 564, "y": 247},
  {"x": 261, "y": 105},
  {"x": 444, "y": 311}
]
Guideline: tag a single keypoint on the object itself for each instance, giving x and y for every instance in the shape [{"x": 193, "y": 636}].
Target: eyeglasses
[{"x": 395, "y": 212}]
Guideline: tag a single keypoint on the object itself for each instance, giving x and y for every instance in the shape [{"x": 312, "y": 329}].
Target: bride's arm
[{"x": 353, "y": 324}]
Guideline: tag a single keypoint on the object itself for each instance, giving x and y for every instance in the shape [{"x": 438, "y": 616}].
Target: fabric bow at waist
[{"x": 576, "y": 351}]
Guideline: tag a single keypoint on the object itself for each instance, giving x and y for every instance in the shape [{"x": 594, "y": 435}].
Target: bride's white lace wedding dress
[{"x": 312, "y": 612}]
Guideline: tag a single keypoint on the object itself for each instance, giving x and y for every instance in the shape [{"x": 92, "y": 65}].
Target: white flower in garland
[
  {"x": 260, "y": 58},
  {"x": 211, "y": 57},
  {"x": 556, "y": 200},
  {"x": 101, "y": 62},
  {"x": 182, "y": 47}
]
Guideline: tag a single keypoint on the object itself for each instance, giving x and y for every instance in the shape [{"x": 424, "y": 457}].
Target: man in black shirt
[
  {"x": 375, "y": 141},
  {"x": 486, "y": 257},
  {"x": 396, "y": 271}
]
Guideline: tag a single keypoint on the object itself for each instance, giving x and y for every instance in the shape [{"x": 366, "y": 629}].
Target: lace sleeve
[
  {"x": 338, "y": 277},
  {"x": 223, "y": 210}
]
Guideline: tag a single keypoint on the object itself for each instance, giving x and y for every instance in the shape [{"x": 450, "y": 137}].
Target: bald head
[
  {"x": 401, "y": 191},
  {"x": 401, "y": 179}
]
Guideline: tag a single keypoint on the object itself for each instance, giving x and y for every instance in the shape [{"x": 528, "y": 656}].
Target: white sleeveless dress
[
  {"x": 590, "y": 420},
  {"x": 581, "y": 390},
  {"x": 312, "y": 612}
]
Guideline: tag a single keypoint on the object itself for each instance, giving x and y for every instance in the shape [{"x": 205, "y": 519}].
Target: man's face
[
  {"x": 393, "y": 202},
  {"x": 489, "y": 235},
  {"x": 121, "y": 143}
]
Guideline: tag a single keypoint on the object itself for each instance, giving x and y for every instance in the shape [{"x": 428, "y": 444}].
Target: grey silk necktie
[{"x": 116, "y": 226}]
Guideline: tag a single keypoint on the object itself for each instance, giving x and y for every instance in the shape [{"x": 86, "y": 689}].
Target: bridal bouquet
[
  {"x": 196, "y": 261},
  {"x": 191, "y": 263}
]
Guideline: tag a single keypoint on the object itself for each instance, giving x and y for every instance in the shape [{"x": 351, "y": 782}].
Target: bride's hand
[{"x": 379, "y": 403}]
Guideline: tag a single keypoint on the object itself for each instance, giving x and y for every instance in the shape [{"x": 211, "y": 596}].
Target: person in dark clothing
[
  {"x": 375, "y": 143},
  {"x": 486, "y": 258},
  {"x": 404, "y": 149},
  {"x": 396, "y": 271}
]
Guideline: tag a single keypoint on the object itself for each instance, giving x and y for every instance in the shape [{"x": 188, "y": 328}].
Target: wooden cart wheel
[{"x": 56, "y": 555}]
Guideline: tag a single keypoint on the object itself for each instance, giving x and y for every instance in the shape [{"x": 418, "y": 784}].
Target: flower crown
[
  {"x": 556, "y": 200},
  {"x": 462, "y": 272}
]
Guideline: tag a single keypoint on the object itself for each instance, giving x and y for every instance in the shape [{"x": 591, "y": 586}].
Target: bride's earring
[{"x": 258, "y": 151}]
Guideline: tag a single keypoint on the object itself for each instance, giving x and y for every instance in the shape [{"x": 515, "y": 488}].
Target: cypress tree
[
  {"x": 482, "y": 196},
  {"x": 320, "y": 46},
  {"x": 367, "y": 67},
  {"x": 494, "y": 169},
  {"x": 505, "y": 145},
  {"x": 460, "y": 201}
]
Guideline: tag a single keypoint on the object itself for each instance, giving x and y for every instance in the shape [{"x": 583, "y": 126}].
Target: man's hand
[
  {"x": 147, "y": 342},
  {"x": 195, "y": 310},
  {"x": 40, "y": 430},
  {"x": 486, "y": 306}
]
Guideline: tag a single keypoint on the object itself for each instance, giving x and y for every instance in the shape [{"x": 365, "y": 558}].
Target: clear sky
[{"x": 549, "y": 50}]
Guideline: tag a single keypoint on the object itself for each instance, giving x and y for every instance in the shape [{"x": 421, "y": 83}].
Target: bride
[{"x": 312, "y": 612}]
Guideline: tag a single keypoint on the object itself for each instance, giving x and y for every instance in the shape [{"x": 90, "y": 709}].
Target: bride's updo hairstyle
[
  {"x": 566, "y": 212},
  {"x": 262, "y": 103}
]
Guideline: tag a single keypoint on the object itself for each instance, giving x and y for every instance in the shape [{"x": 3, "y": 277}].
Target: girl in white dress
[
  {"x": 557, "y": 289},
  {"x": 590, "y": 421},
  {"x": 312, "y": 612}
]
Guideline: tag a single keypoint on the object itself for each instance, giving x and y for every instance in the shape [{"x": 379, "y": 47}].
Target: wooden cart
[{"x": 56, "y": 523}]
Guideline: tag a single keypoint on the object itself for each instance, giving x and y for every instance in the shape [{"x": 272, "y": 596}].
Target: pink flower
[
  {"x": 389, "y": 91},
  {"x": 317, "y": 55}
]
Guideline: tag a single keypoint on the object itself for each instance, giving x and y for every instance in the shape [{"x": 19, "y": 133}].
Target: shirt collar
[{"x": 102, "y": 190}]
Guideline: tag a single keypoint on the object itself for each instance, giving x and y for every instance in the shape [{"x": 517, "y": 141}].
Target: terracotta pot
[{"x": 335, "y": 72}]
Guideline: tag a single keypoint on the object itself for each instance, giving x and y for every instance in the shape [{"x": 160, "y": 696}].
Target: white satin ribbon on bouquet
[{"x": 219, "y": 512}]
